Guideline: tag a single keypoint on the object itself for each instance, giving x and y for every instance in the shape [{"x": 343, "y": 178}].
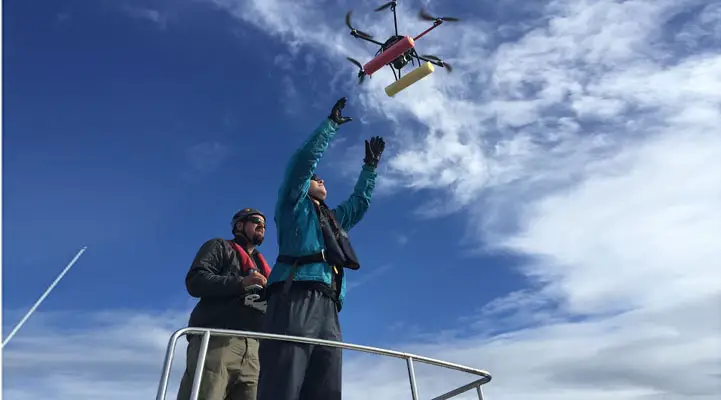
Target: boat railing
[{"x": 485, "y": 377}]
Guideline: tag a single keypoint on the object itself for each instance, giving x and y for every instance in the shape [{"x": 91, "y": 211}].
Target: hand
[
  {"x": 374, "y": 149},
  {"x": 254, "y": 279},
  {"x": 335, "y": 113}
]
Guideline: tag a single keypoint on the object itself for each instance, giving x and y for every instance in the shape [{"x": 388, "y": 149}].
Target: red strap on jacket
[{"x": 246, "y": 264}]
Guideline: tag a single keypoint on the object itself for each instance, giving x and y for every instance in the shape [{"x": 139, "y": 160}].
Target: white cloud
[
  {"x": 158, "y": 17},
  {"x": 590, "y": 142},
  {"x": 206, "y": 157},
  {"x": 102, "y": 355}
]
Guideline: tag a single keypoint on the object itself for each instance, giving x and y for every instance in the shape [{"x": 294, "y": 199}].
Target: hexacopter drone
[{"x": 398, "y": 51}]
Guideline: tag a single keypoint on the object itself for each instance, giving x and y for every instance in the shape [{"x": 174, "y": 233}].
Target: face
[
  {"x": 254, "y": 228},
  {"x": 317, "y": 188}
]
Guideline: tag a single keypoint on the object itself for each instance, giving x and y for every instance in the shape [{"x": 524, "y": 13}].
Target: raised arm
[
  {"x": 351, "y": 211},
  {"x": 304, "y": 161}
]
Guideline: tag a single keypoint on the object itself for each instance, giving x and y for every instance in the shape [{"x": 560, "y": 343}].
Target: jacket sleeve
[
  {"x": 351, "y": 211},
  {"x": 204, "y": 278},
  {"x": 304, "y": 161}
]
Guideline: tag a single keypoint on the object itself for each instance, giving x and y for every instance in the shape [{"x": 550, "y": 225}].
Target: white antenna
[{"x": 40, "y": 300}]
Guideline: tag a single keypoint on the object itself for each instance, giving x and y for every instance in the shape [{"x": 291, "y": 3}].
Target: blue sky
[
  {"x": 150, "y": 139},
  {"x": 501, "y": 224}
]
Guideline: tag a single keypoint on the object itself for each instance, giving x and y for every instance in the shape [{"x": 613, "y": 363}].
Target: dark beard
[{"x": 257, "y": 239}]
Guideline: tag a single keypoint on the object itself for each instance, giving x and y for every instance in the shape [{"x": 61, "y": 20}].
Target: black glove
[
  {"x": 335, "y": 114},
  {"x": 374, "y": 149}
]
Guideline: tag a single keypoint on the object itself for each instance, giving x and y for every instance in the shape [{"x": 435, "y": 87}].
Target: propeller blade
[
  {"x": 384, "y": 6},
  {"x": 354, "y": 61},
  {"x": 347, "y": 19},
  {"x": 447, "y": 66},
  {"x": 423, "y": 14},
  {"x": 361, "y": 73},
  {"x": 360, "y": 33}
]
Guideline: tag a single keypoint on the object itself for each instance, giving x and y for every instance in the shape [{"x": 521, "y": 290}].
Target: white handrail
[{"x": 206, "y": 332}]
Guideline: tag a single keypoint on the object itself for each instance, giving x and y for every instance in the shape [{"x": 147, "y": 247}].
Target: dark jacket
[{"x": 215, "y": 277}]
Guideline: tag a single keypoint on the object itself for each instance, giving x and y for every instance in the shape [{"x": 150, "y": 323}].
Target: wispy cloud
[
  {"x": 585, "y": 136},
  {"x": 206, "y": 157},
  {"x": 402, "y": 239},
  {"x": 369, "y": 277},
  {"x": 156, "y": 16},
  {"x": 63, "y": 17},
  {"x": 77, "y": 355},
  {"x": 118, "y": 355}
]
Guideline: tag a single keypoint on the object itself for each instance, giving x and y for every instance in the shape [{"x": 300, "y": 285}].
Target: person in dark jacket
[
  {"x": 306, "y": 288},
  {"x": 226, "y": 275}
]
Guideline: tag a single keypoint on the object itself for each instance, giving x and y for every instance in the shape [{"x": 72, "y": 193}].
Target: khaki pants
[{"x": 231, "y": 369}]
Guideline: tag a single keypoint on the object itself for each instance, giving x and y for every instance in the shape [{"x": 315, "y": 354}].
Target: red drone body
[{"x": 397, "y": 51}]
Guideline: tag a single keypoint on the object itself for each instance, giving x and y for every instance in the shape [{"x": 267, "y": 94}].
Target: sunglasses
[
  {"x": 257, "y": 221},
  {"x": 315, "y": 178}
]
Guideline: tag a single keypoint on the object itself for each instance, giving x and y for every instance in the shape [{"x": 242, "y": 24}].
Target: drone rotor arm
[
  {"x": 436, "y": 24},
  {"x": 358, "y": 34}
]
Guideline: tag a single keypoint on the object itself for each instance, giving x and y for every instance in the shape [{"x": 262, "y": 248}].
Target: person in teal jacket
[{"x": 306, "y": 288}]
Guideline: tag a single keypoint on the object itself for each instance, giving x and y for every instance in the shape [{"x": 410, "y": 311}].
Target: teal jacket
[{"x": 296, "y": 219}]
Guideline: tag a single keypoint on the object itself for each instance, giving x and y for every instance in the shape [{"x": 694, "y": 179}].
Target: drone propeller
[
  {"x": 361, "y": 73},
  {"x": 443, "y": 63},
  {"x": 352, "y": 29},
  {"x": 384, "y": 6},
  {"x": 428, "y": 17}
]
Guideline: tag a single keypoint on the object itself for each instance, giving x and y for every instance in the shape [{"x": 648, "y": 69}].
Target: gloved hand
[
  {"x": 335, "y": 113},
  {"x": 374, "y": 149}
]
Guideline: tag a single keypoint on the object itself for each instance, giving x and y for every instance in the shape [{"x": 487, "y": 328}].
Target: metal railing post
[
  {"x": 480, "y": 392},
  {"x": 200, "y": 365},
  {"x": 412, "y": 378},
  {"x": 461, "y": 389},
  {"x": 167, "y": 364}
]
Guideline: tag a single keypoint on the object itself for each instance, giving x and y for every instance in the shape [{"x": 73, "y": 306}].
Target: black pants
[{"x": 298, "y": 371}]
